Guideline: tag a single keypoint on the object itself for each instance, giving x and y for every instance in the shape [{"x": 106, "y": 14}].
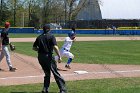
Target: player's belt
[{"x": 65, "y": 49}]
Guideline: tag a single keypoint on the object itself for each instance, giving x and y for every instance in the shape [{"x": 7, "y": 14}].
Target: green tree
[
  {"x": 38, "y": 12},
  {"x": 4, "y": 12}
]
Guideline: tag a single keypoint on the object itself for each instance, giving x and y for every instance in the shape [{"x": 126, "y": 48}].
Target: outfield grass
[
  {"x": 96, "y": 52},
  {"x": 119, "y": 85},
  {"x": 100, "y": 52}
]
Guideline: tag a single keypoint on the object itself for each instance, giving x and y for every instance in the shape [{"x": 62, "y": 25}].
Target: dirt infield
[
  {"x": 79, "y": 39},
  {"x": 29, "y": 71}
]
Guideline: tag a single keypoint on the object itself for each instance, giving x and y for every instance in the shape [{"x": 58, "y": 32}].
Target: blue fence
[
  {"x": 78, "y": 31},
  {"x": 21, "y": 30},
  {"x": 101, "y": 31}
]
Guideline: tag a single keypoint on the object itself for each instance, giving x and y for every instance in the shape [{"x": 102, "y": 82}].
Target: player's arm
[{"x": 74, "y": 39}]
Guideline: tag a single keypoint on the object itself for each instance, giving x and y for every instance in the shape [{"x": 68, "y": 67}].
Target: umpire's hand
[{"x": 59, "y": 60}]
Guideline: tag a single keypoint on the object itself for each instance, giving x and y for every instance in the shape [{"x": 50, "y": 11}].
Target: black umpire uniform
[{"x": 44, "y": 44}]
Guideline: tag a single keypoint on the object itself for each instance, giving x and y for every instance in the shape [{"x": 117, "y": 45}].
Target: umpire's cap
[
  {"x": 7, "y": 24},
  {"x": 46, "y": 28}
]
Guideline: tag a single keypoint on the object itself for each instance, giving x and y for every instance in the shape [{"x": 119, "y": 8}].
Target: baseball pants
[
  {"x": 5, "y": 52},
  {"x": 48, "y": 65}
]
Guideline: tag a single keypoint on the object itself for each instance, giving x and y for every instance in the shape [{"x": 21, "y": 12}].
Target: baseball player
[
  {"x": 4, "y": 46},
  {"x": 65, "y": 50}
]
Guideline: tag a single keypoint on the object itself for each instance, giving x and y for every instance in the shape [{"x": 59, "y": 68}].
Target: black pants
[{"x": 48, "y": 64}]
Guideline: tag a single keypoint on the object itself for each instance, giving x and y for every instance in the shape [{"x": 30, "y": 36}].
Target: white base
[{"x": 80, "y": 72}]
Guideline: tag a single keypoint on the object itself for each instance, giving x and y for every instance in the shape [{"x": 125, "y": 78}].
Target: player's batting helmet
[{"x": 72, "y": 35}]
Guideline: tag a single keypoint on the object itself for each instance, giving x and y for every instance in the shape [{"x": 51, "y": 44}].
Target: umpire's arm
[
  {"x": 35, "y": 47},
  {"x": 56, "y": 49}
]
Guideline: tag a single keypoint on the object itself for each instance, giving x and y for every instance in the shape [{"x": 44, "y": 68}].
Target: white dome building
[
  {"x": 89, "y": 10},
  {"x": 108, "y": 9}
]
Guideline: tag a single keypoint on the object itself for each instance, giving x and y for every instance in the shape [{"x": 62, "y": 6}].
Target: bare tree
[
  {"x": 15, "y": 4},
  {"x": 71, "y": 4}
]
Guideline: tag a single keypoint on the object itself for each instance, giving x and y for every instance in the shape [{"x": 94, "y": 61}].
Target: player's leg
[
  {"x": 8, "y": 60},
  {"x": 70, "y": 57},
  {"x": 1, "y": 57}
]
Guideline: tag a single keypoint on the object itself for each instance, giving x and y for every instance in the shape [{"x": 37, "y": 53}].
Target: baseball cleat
[
  {"x": 1, "y": 69},
  {"x": 67, "y": 66},
  {"x": 12, "y": 69},
  {"x": 59, "y": 69}
]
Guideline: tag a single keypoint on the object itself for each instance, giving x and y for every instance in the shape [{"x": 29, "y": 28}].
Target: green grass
[
  {"x": 100, "y": 52},
  {"x": 97, "y": 52},
  {"x": 119, "y": 85}
]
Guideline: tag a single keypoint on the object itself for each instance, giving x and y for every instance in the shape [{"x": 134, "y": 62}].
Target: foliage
[
  {"x": 128, "y": 28},
  {"x": 4, "y": 13},
  {"x": 35, "y": 12}
]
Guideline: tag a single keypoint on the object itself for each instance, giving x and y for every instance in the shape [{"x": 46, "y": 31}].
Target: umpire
[{"x": 44, "y": 44}]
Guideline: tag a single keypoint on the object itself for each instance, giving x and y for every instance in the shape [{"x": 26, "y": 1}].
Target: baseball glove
[{"x": 12, "y": 47}]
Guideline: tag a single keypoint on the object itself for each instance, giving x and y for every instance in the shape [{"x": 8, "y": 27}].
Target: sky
[{"x": 120, "y": 9}]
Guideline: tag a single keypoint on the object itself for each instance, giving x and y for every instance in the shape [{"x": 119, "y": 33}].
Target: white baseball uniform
[{"x": 65, "y": 50}]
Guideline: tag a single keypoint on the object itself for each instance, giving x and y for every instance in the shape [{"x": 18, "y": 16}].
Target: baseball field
[{"x": 113, "y": 67}]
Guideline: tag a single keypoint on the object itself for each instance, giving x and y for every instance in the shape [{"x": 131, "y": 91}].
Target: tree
[
  {"x": 72, "y": 7},
  {"x": 34, "y": 22},
  {"x": 27, "y": 12},
  {"x": 14, "y": 8},
  {"x": 1, "y": 5},
  {"x": 4, "y": 12},
  {"x": 12, "y": 5}
]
